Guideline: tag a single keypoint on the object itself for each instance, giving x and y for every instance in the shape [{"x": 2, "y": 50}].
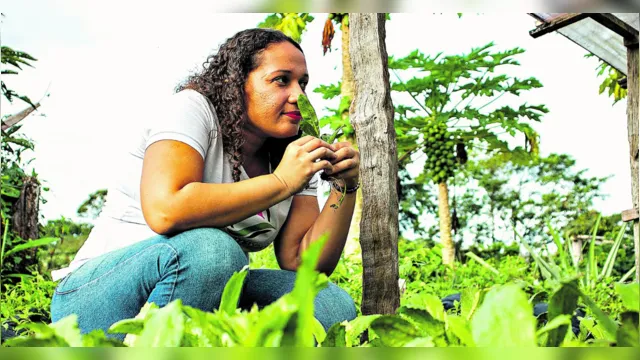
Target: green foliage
[
  {"x": 563, "y": 266},
  {"x": 504, "y": 319},
  {"x": 528, "y": 193},
  {"x": 495, "y": 310},
  {"x": 288, "y": 321},
  {"x": 291, "y": 24},
  {"x": 69, "y": 236},
  {"x": 610, "y": 83},
  {"x": 14, "y": 260},
  {"x": 27, "y": 300},
  {"x": 93, "y": 205},
  {"x": 16, "y": 59}
]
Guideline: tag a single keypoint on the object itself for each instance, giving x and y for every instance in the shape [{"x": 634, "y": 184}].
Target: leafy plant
[
  {"x": 311, "y": 126},
  {"x": 287, "y": 321}
]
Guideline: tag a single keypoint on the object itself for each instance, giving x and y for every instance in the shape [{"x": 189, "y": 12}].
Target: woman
[{"x": 222, "y": 173}]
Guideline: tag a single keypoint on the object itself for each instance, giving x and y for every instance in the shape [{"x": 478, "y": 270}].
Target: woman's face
[{"x": 272, "y": 91}]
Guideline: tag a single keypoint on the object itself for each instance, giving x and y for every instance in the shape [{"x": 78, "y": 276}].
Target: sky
[{"x": 107, "y": 66}]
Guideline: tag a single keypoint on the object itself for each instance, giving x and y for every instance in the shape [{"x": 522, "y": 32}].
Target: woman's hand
[
  {"x": 346, "y": 165},
  {"x": 301, "y": 160}
]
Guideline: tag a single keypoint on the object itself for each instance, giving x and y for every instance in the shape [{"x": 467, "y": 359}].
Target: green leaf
[
  {"x": 628, "y": 333},
  {"x": 394, "y": 331},
  {"x": 470, "y": 300},
  {"x": 420, "y": 342},
  {"x": 165, "y": 328},
  {"x": 328, "y": 91},
  {"x": 272, "y": 319},
  {"x": 559, "y": 246},
  {"x": 611, "y": 258},
  {"x": 608, "y": 325},
  {"x": 504, "y": 319},
  {"x": 630, "y": 295},
  {"x": 553, "y": 273},
  {"x": 482, "y": 262},
  {"x": 305, "y": 289},
  {"x": 310, "y": 124},
  {"x": 31, "y": 244},
  {"x": 592, "y": 266},
  {"x": 460, "y": 328},
  {"x": 357, "y": 326},
  {"x": 423, "y": 321},
  {"x": 232, "y": 291},
  {"x": 97, "y": 338},
  {"x": 430, "y": 302},
  {"x": 318, "y": 331},
  {"x": 336, "y": 336},
  {"x": 67, "y": 328},
  {"x": 563, "y": 302},
  {"x": 127, "y": 326},
  {"x": 560, "y": 324}
]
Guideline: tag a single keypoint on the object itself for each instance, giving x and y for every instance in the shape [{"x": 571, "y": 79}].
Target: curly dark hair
[{"x": 222, "y": 81}]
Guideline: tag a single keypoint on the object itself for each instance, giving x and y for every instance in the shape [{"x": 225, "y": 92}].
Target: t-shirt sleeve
[
  {"x": 186, "y": 117},
  {"x": 312, "y": 187}
]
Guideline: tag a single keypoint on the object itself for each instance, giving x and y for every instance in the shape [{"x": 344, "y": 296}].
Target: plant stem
[{"x": 483, "y": 263}]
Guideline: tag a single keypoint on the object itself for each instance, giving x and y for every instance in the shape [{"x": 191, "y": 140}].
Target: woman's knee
[
  {"x": 204, "y": 251},
  {"x": 333, "y": 305}
]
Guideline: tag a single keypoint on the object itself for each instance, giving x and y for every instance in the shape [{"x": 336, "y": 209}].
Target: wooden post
[
  {"x": 576, "y": 249},
  {"x": 371, "y": 115},
  {"x": 632, "y": 127}
]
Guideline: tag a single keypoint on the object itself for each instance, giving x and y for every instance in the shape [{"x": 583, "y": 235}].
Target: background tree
[
  {"x": 523, "y": 195},
  {"x": 447, "y": 122},
  {"x": 92, "y": 207},
  {"x": 19, "y": 191}
]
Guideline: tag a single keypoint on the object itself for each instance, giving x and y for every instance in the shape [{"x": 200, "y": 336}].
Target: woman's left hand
[{"x": 346, "y": 166}]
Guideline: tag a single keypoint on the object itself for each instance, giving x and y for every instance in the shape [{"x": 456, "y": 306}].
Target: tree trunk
[
  {"x": 633, "y": 129},
  {"x": 348, "y": 86},
  {"x": 448, "y": 251},
  {"x": 25, "y": 210},
  {"x": 372, "y": 119},
  {"x": 24, "y": 222},
  {"x": 348, "y": 89}
]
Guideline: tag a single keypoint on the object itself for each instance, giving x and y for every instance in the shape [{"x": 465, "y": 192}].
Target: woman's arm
[
  {"x": 305, "y": 224},
  {"x": 174, "y": 198}
]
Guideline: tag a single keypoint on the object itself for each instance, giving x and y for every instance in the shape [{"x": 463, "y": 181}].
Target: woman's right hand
[{"x": 301, "y": 160}]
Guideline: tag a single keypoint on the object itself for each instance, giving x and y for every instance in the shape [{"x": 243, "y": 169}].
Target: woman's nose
[{"x": 295, "y": 92}]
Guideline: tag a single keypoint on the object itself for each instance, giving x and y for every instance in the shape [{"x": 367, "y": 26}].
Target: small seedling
[{"x": 310, "y": 125}]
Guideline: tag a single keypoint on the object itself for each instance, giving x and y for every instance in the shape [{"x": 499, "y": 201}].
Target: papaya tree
[{"x": 447, "y": 123}]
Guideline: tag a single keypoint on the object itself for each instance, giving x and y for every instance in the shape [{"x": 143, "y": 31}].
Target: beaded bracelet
[{"x": 347, "y": 190}]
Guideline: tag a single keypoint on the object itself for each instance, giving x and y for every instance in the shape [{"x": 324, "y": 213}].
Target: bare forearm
[
  {"x": 336, "y": 223},
  {"x": 216, "y": 205}
]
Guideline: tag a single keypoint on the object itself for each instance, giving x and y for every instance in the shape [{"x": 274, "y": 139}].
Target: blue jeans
[{"x": 193, "y": 266}]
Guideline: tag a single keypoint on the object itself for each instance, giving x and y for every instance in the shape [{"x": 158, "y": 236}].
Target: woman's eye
[
  {"x": 303, "y": 85},
  {"x": 281, "y": 80}
]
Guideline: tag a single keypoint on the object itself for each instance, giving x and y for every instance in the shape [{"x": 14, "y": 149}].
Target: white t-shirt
[{"x": 190, "y": 118}]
